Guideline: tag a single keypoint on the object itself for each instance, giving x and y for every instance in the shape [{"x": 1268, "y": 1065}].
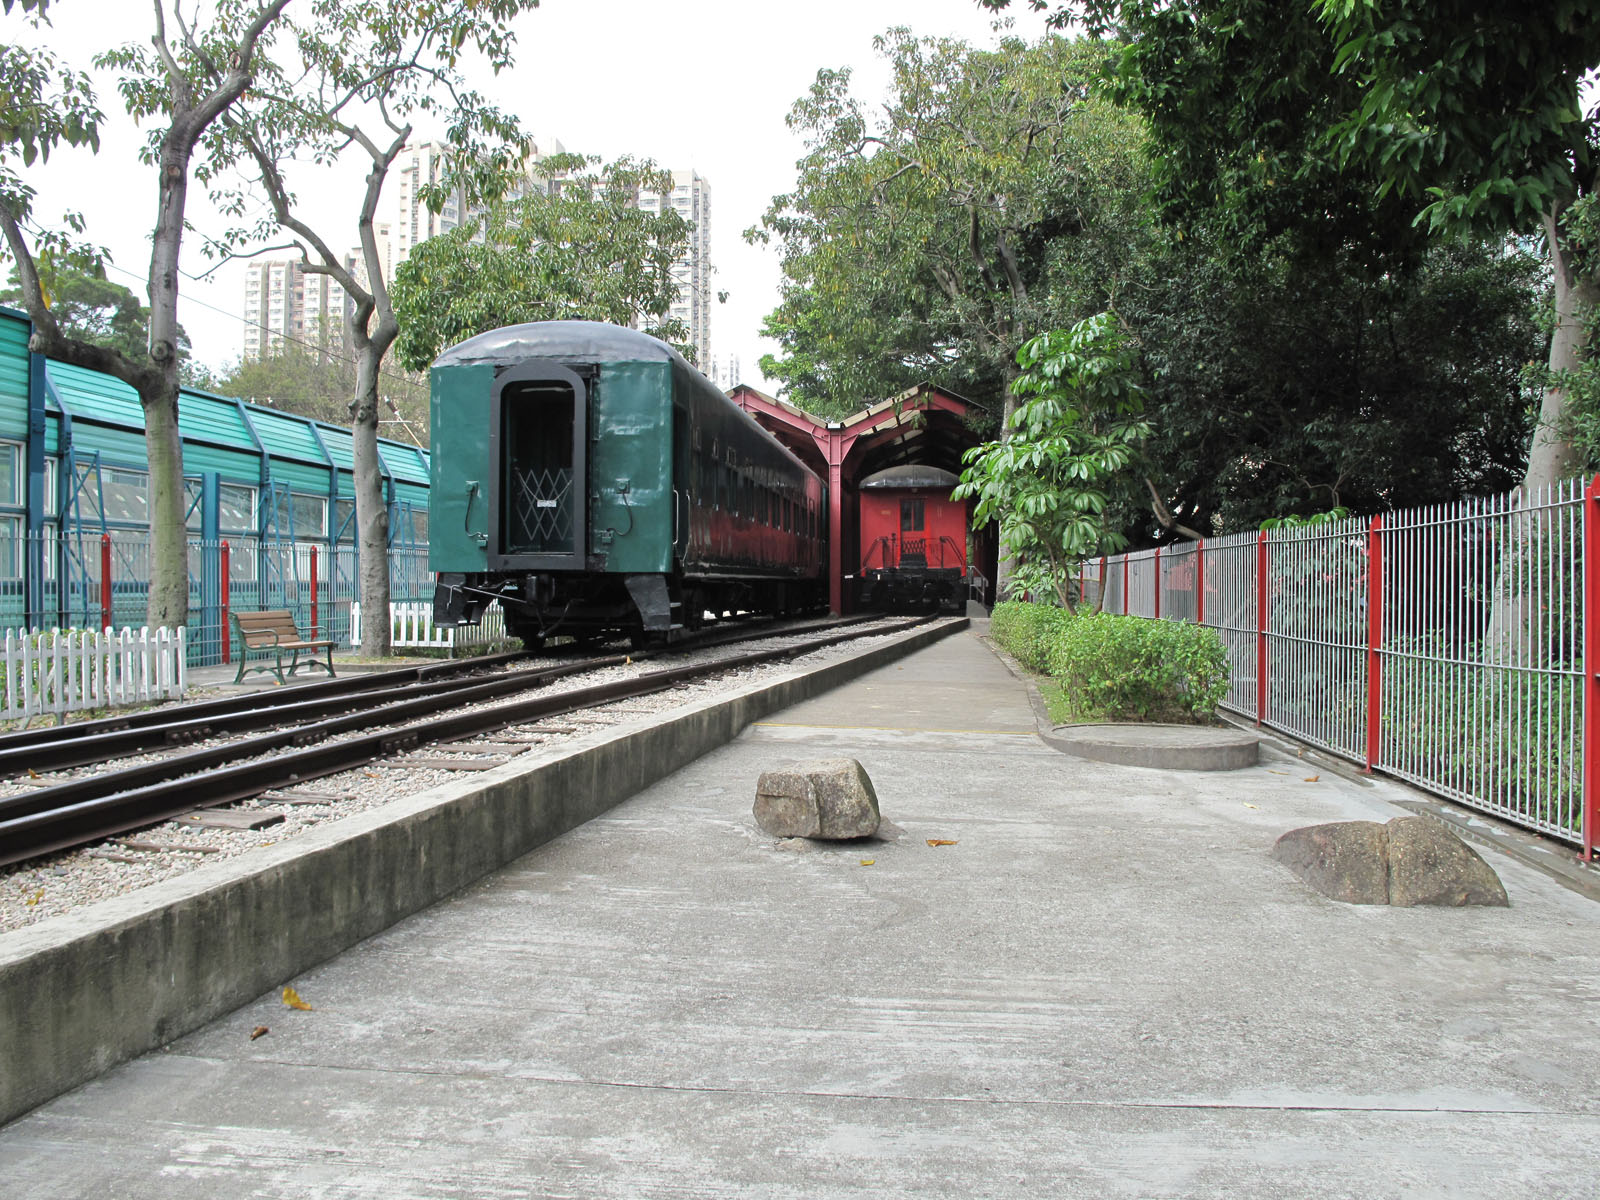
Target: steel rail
[
  {"x": 200, "y": 710},
  {"x": 85, "y": 744},
  {"x": 68, "y": 815}
]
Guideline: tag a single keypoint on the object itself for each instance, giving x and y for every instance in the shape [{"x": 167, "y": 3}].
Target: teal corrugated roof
[
  {"x": 97, "y": 397},
  {"x": 338, "y": 443},
  {"x": 405, "y": 463},
  {"x": 206, "y": 418},
  {"x": 14, "y": 375},
  {"x": 285, "y": 435}
]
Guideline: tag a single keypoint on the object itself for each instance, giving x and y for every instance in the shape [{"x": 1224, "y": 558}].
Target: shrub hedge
[{"x": 1114, "y": 668}]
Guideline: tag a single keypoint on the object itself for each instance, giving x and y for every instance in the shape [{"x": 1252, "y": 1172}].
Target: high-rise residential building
[
  {"x": 426, "y": 164},
  {"x": 417, "y": 168},
  {"x": 283, "y": 302},
  {"x": 724, "y": 371},
  {"x": 691, "y": 197}
]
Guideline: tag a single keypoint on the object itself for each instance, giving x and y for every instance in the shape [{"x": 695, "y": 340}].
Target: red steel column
[
  {"x": 1374, "y": 642},
  {"x": 105, "y": 581},
  {"x": 835, "y": 533},
  {"x": 1200, "y": 582},
  {"x": 314, "y": 557},
  {"x": 222, "y": 592},
  {"x": 1101, "y": 605},
  {"x": 1125, "y": 584},
  {"x": 1261, "y": 626},
  {"x": 1591, "y": 668},
  {"x": 1157, "y": 574}
]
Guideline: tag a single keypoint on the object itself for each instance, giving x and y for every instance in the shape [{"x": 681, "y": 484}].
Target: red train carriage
[{"x": 913, "y": 540}]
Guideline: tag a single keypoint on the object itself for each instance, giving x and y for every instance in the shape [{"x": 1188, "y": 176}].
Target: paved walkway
[{"x": 1105, "y": 988}]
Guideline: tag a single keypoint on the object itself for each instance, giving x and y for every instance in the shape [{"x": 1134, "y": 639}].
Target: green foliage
[
  {"x": 994, "y": 196},
  {"x": 1076, "y": 428},
  {"x": 1028, "y": 631},
  {"x": 1508, "y": 736},
  {"x": 1115, "y": 668},
  {"x": 318, "y": 382},
  {"x": 583, "y": 250},
  {"x": 88, "y": 306}
]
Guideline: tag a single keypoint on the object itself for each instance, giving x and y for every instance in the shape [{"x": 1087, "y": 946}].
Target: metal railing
[
  {"x": 891, "y": 552},
  {"x": 98, "y": 581},
  {"x": 1455, "y": 646}
]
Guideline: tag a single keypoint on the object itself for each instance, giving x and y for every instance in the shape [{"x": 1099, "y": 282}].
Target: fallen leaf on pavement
[
  {"x": 259, "y": 1031},
  {"x": 1247, "y": 804},
  {"x": 867, "y": 862},
  {"x": 942, "y": 841},
  {"x": 1312, "y": 778},
  {"x": 291, "y": 999}
]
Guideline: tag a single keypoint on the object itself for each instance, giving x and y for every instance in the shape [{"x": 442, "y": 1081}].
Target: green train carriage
[{"x": 592, "y": 481}]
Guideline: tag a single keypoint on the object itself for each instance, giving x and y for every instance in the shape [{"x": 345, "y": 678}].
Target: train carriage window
[
  {"x": 749, "y": 497},
  {"x": 911, "y": 516}
]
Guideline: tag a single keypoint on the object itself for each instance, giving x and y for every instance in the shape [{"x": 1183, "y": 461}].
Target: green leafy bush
[
  {"x": 1133, "y": 669},
  {"x": 1027, "y": 631}
]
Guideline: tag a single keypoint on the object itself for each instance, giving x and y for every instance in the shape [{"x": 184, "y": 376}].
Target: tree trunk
[
  {"x": 1518, "y": 632},
  {"x": 1006, "y": 562},
  {"x": 372, "y": 513},
  {"x": 168, "y": 602},
  {"x": 1552, "y": 457}
]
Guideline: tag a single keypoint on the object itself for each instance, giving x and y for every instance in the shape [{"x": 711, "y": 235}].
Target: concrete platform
[
  {"x": 1105, "y": 988},
  {"x": 1171, "y": 747}
]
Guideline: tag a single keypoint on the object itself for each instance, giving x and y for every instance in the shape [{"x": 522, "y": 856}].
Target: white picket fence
[
  {"x": 411, "y": 627},
  {"x": 71, "y": 670}
]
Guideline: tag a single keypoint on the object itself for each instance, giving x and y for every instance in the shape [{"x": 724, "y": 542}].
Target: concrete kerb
[
  {"x": 87, "y": 990},
  {"x": 1163, "y": 747}
]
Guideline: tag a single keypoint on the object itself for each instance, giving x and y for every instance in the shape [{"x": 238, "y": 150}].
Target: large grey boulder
[
  {"x": 1347, "y": 860},
  {"x": 1430, "y": 865},
  {"x": 1409, "y": 861},
  {"x": 830, "y": 799}
]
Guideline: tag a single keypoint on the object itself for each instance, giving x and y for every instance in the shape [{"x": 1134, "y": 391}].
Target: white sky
[{"x": 701, "y": 84}]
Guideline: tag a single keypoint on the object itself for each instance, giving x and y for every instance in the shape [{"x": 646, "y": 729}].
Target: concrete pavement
[{"x": 1106, "y": 987}]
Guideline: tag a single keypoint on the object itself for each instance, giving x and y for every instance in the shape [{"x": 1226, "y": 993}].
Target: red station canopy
[{"x": 926, "y": 425}]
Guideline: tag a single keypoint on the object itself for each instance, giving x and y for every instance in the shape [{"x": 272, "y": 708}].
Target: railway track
[{"x": 315, "y": 744}]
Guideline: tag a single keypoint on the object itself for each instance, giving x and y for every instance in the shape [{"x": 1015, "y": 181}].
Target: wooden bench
[{"x": 274, "y": 632}]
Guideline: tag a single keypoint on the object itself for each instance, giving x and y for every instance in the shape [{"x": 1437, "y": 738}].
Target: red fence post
[
  {"x": 1101, "y": 605},
  {"x": 1158, "y": 583},
  {"x": 222, "y": 593},
  {"x": 1261, "y": 627},
  {"x": 105, "y": 581},
  {"x": 1591, "y": 668},
  {"x": 1124, "y": 585},
  {"x": 314, "y": 557},
  {"x": 1374, "y": 642},
  {"x": 1200, "y": 582}
]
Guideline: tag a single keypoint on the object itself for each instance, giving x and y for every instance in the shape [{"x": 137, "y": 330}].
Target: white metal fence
[
  {"x": 66, "y": 671},
  {"x": 1453, "y": 646}
]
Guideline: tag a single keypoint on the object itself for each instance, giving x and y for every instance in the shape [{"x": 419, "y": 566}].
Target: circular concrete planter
[{"x": 1170, "y": 747}]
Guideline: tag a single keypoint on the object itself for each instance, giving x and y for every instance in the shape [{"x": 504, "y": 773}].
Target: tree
[
  {"x": 318, "y": 382},
  {"x": 1051, "y": 484},
  {"x": 996, "y": 195},
  {"x": 359, "y": 75},
  {"x": 185, "y": 83},
  {"x": 1467, "y": 116},
  {"x": 88, "y": 306},
  {"x": 1284, "y": 383},
  {"x": 578, "y": 249}
]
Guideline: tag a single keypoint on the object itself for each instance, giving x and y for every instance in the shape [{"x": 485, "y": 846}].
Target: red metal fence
[{"x": 1449, "y": 645}]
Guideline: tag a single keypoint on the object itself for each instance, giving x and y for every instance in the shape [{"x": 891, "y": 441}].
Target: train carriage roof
[{"x": 588, "y": 341}]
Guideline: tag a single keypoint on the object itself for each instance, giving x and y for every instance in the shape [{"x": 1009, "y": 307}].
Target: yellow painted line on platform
[{"x": 894, "y": 728}]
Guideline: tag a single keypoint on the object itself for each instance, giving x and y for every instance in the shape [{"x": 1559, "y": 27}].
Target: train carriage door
[
  {"x": 682, "y": 482},
  {"x": 538, "y": 438}
]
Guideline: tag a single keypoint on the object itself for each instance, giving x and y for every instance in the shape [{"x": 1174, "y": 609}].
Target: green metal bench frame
[{"x": 273, "y": 631}]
